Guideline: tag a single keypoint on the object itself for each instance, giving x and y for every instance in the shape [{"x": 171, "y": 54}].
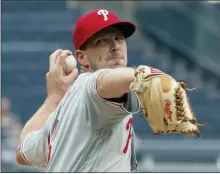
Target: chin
[{"x": 119, "y": 66}]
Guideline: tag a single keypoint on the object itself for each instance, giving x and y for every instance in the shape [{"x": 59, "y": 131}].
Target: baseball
[{"x": 70, "y": 64}]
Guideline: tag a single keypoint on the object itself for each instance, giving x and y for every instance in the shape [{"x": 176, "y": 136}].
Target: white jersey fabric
[{"x": 85, "y": 133}]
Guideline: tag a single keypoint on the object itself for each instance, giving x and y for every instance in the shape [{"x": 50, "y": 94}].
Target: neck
[{"x": 84, "y": 69}]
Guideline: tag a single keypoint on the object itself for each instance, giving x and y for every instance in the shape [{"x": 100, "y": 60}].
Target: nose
[{"x": 115, "y": 46}]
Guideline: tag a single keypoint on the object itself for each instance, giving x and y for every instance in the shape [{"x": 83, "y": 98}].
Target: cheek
[
  {"x": 124, "y": 47},
  {"x": 98, "y": 58},
  {"x": 102, "y": 56},
  {"x": 125, "y": 52}
]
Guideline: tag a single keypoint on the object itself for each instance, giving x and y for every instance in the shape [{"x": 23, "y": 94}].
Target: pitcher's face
[{"x": 106, "y": 49}]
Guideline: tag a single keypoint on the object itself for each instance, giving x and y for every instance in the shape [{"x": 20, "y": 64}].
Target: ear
[{"x": 81, "y": 58}]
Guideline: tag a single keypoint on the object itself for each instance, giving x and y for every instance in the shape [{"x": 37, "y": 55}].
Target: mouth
[{"x": 116, "y": 57}]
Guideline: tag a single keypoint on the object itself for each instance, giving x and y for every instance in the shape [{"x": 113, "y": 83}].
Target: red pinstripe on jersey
[
  {"x": 49, "y": 148},
  {"x": 129, "y": 128}
]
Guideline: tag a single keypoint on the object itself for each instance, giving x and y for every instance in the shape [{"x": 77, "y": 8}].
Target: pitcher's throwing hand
[{"x": 57, "y": 81}]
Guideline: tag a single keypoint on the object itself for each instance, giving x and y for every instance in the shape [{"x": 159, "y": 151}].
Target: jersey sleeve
[
  {"x": 34, "y": 148},
  {"x": 106, "y": 112}
]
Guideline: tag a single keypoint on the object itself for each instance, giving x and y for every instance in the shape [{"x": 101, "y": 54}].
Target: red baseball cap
[{"x": 89, "y": 24}]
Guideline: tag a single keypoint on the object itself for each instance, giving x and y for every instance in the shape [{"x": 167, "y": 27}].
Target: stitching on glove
[{"x": 180, "y": 110}]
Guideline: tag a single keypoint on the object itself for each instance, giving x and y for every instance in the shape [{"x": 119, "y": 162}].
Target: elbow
[{"x": 19, "y": 158}]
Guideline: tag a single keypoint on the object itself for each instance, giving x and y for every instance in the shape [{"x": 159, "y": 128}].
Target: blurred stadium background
[{"x": 180, "y": 38}]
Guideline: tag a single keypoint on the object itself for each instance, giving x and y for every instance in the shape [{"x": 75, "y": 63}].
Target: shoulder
[
  {"x": 90, "y": 74},
  {"x": 90, "y": 77}
]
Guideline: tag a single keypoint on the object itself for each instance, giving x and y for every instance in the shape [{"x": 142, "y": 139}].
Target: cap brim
[{"x": 126, "y": 27}]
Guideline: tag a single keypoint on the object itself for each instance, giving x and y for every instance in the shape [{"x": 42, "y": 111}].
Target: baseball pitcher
[{"x": 85, "y": 124}]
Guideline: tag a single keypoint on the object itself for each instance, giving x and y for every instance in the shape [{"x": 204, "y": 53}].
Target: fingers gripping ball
[
  {"x": 70, "y": 64},
  {"x": 164, "y": 102}
]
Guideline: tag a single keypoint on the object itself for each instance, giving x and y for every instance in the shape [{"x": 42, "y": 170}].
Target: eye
[
  {"x": 119, "y": 38},
  {"x": 100, "y": 41}
]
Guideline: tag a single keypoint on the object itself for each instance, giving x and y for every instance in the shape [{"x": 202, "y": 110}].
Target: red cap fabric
[{"x": 89, "y": 24}]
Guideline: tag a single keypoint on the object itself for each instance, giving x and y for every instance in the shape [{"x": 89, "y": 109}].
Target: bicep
[
  {"x": 102, "y": 111},
  {"x": 98, "y": 109},
  {"x": 33, "y": 148},
  {"x": 114, "y": 83},
  {"x": 104, "y": 87}
]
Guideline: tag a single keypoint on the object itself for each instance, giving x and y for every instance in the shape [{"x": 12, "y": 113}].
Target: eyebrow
[
  {"x": 94, "y": 38},
  {"x": 116, "y": 34}
]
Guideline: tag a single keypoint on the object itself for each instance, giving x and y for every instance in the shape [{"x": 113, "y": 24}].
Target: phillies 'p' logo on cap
[
  {"x": 89, "y": 24},
  {"x": 104, "y": 13}
]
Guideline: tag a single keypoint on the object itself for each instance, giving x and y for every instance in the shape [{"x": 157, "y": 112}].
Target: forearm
[
  {"x": 115, "y": 83},
  {"x": 40, "y": 117}
]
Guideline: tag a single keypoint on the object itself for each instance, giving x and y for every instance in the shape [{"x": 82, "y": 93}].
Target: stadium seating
[{"x": 30, "y": 33}]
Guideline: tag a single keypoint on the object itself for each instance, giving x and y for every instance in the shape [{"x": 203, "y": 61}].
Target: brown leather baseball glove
[{"x": 164, "y": 102}]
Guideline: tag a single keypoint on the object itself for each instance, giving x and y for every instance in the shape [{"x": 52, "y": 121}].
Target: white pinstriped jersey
[{"x": 86, "y": 133}]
